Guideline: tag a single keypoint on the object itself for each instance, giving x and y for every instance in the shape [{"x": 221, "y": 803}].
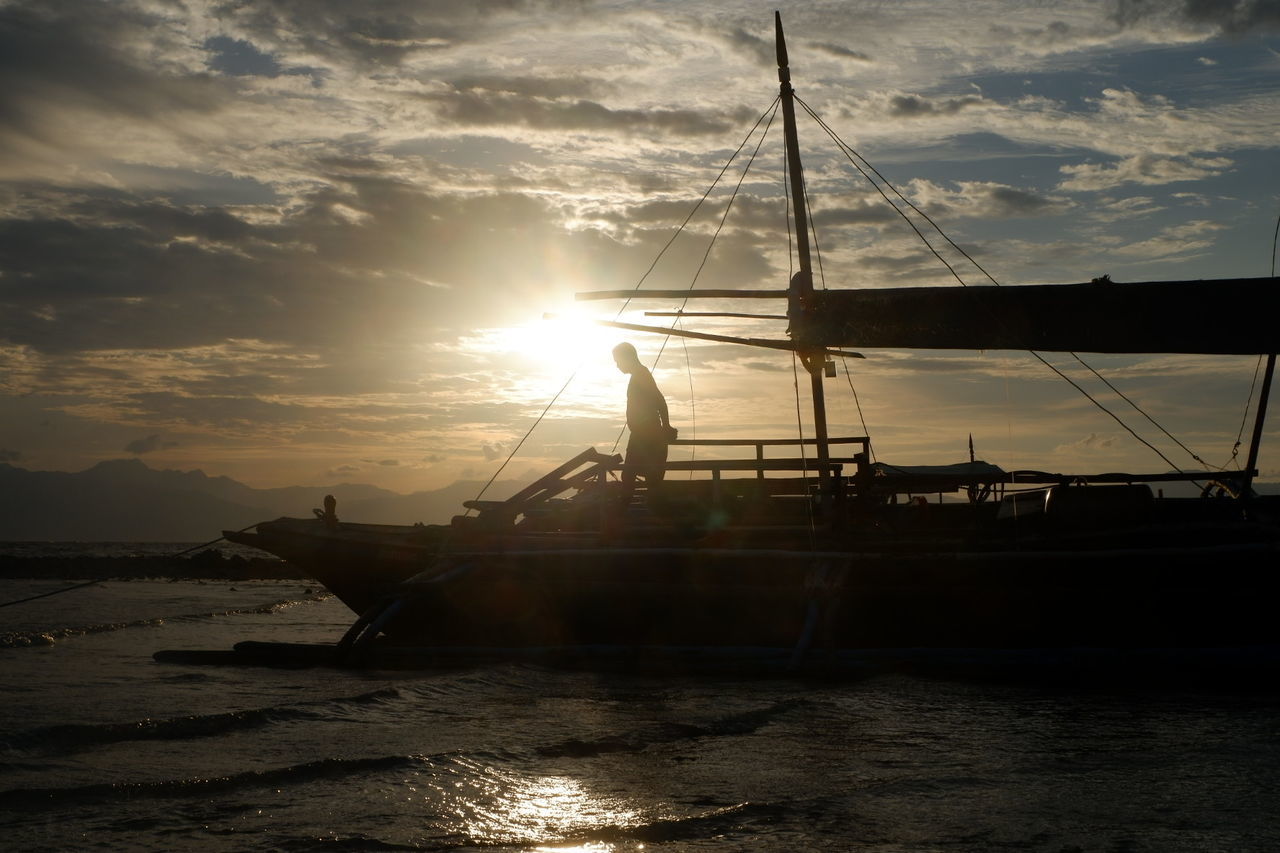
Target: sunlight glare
[
  {"x": 499, "y": 807},
  {"x": 562, "y": 342}
]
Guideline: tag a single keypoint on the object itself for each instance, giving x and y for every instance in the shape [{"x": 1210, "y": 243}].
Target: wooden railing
[
  {"x": 760, "y": 464},
  {"x": 591, "y": 466}
]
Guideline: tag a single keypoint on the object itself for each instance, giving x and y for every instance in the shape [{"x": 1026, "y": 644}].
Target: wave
[
  {"x": 71, "y": 738},
  {"x": 358, "y": 842},
  {"x": 292, "y": 776},
  {"x": 49, "y": 636},
  {"x": 710, "y": 824},
  {"x": 730, "y": 725},
  {"x": 28, "y": 799},
  {"x": 714, "y": 823}
]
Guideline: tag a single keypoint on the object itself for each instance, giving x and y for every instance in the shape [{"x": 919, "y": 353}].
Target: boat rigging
[{"x": 790, "y": 563}]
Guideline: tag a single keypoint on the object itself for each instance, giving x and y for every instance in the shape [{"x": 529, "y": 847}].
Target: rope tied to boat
[
  {"x": 54, "y": 592},
  {"x": 101, "y": 580}
]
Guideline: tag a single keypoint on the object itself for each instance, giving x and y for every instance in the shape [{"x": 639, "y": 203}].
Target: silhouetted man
[{"x": 646, "y": 418}]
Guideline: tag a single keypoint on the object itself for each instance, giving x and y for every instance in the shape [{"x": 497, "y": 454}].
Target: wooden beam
[
  {"x": 679, "y": 294},
  {"x": 728, "y": 339},
  {"x": 715, "y": 314}
]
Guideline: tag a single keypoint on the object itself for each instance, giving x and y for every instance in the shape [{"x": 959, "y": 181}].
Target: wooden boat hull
[
  {"x": 359, "y": 563},
  {"x": 1205, "y": 591},
  {"x": 796, "y": 599}
]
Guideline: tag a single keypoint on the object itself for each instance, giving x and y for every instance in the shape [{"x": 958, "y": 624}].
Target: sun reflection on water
[{"x": 494, "y": 806}]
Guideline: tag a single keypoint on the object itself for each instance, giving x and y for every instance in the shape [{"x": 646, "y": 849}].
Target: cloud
[
  {"x": 75, "y": 81},
  {"x": 760, "y": 50},
  {"x": 1144, "y": 169},
  {"x": 1115, "y": 210},
  {"x": 915, "y": 106},
  {"x": 1091, "y": 443},
  {"x": 149, "y": 444},
  {"x": 7, "y": 455},
  {"x": 385, "y": 36},
  {"x": 985, "y": 200},
  {"x": 1233, "y": 17},
  {"x": 866, "y": 212},
  {"x": 91, "y": 268},
  {"x": 841, "y": 51},
  {"x": 1176, "y": 240},
  {"x": 541, "y": 87},
  {"x": 475, "y": 107},
  {"x": 278, "y": 228}
]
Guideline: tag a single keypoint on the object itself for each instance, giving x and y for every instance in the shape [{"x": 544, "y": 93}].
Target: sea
[{"x": 104, "y": 748}]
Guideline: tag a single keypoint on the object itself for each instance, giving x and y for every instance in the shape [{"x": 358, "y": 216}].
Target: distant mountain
[{"x": 124, "y": 500}]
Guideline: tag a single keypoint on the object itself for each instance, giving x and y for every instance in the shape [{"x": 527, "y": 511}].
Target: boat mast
[{"x": 800, "y": 293}]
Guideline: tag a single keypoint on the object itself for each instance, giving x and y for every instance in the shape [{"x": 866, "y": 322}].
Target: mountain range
[{"x": 125, "y": 500}]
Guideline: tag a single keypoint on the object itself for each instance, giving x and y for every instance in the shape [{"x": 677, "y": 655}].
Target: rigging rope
[
  {"x": 1107, "y": 411},
  {"x": 182, "y": 553},
  {"x": 728, "y": 207},
  {"x": 849, "y": 376},
  {"x": 1235, "y": 448},
  {"x": 693, "y": 408},
  {"x": 804, "y": 458},
  {"x": 851, "y": 154},
  {"x": 520, "y": 444},
  {"x": 1140, "y": 411},
  {"x": 625, "y": 304},
  {"x": 1244, "y": 417},
  {"x": 771, "y": 113}
]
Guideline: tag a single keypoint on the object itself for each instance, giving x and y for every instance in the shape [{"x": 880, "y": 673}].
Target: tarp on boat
[
  {"x": 1223, "y": 316},
  {"x": 969, "y": 470},
  {"x": 935, "y": 478}
]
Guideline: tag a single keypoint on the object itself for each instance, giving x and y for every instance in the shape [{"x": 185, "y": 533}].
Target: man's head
[{"x": 625, "y": 356}]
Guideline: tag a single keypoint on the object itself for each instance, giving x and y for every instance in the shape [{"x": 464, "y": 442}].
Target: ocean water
[{"x": 101, "y": 747}]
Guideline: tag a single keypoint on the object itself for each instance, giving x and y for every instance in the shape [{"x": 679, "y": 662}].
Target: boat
[{"x": 804, "y": 549}]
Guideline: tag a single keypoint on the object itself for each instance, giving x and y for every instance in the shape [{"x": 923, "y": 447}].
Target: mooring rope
[
  {"x": 55, "y": 592},
  {"x": 100, "y": 580}
]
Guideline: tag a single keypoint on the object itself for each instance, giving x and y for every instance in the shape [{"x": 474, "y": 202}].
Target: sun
[{"x": 561, "y": 343}]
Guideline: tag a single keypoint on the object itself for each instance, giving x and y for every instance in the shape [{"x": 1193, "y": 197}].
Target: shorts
[{"x": 646, "y": 457}]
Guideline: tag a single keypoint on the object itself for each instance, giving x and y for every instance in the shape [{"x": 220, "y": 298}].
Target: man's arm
[{"x": 660, "y": 402}]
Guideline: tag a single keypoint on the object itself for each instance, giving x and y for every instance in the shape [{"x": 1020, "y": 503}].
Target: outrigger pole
[
  {"x": 1258, "y": 420},
  {"x": 800, "y": 292}
]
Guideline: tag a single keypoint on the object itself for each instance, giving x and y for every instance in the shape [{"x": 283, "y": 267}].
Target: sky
[{"x": 315, "y": 241}]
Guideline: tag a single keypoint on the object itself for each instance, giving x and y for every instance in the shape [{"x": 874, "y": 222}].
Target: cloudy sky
[{"x": 305, "y": 241}]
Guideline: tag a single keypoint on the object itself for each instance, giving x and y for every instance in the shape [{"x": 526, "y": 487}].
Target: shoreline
[{"x": 206, "y": 565}]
